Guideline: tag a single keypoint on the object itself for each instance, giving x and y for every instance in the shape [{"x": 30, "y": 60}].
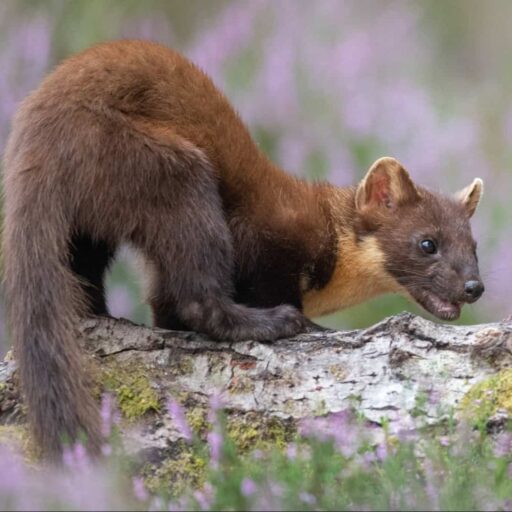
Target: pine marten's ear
[
  {"x": 386, "y": 185},
  {"x": 470, "y": 196}
]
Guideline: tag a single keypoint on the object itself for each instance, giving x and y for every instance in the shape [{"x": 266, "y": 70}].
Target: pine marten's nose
[{"x": 473, "y": 289}]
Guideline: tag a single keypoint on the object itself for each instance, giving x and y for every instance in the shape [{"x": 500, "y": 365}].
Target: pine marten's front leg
[{"x": 191, "y": 260}]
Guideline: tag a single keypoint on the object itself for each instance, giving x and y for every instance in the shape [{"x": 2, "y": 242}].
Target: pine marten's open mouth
[{"x": 441, "y": 308}]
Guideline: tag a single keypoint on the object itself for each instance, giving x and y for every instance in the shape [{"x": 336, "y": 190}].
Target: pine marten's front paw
[
  {"x": 288, "y": 321},
  {"x": 313, "y": 327}
]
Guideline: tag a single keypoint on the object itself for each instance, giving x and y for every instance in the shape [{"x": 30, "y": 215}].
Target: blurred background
[{"x": 326, "y": 87}]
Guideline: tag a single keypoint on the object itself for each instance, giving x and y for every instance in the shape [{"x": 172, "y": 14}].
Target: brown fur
[{"x": 129, "y": 142}]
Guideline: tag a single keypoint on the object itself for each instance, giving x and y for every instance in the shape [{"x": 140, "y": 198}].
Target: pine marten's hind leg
[
  {"x": 188, "y": 244},
  {"x": 89, "y": 260}
]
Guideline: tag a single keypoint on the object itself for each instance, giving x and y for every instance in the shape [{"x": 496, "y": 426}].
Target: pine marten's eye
[{"x": 428, "y": 246}]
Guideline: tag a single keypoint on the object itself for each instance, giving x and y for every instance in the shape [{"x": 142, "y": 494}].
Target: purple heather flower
[
  {"x": 106, "y": 450},
  {"x": 202, "y": 500},
  {"x": 156, "y": 504},
  {"x": 444, "y": 441},
  {"x": 507, "y": 505},
  {"x": 382, "y": 451},
  {"x": 139, "y": 489},
  {"x": 68, "y": 457},
  {"x": 431, "y": 485},
  {"x": 338, "y": 427},
  {"x": 307, "y": 498},
  {"x": 291, "y": 451},
  {"x": 177, "y": 414},
  {"x": 81, "y": 458},
  {"x": 215, "y": 442},
  {"x": 120, "y": 301},
  {"x": 222, "y": 40},
  {"x": 367, "y": 459},
  {"x": 248, "y": 487},
  {"x": 107, "y": 413},
  {"x": 216, "y": 403}
]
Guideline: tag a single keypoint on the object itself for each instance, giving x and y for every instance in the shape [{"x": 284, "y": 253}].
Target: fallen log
[{"x": 388, "y": 371}]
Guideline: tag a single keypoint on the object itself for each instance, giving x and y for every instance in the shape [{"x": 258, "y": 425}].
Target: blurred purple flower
[
  {"x": 444, "y": 441},
  {"x": 382, "y": 451},
  {"x": 24, "y": 58},
  {"x": 307, "y": 498},
  {"x": 291, "y": 451},
  {"x": 338, "y": 427},
  {"x": 139, "y": 489},
  {"x": 120, "y": 301},
  {"x": 109, "y": 414},
  {"x": 216, "y": 403},
  {"x": 404, "y": 429},
  {"x": 248, "y": 487},
  {"x": 367, "y": 459},
  {"x": 431, "y": 485},
  {"x": 204, "y": 500},
  {"x": 177, "y": 414},
  {"x": 106, "y": 450},
  {"x": 215, "y": 443},
  {"x": 221, "y": 40},
  {"x": 507, "y": 505}
]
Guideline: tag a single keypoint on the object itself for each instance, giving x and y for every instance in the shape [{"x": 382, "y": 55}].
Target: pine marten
[{"x": 129, "y": 142}]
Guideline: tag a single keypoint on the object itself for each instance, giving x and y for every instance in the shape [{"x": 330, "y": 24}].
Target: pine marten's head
[{"x": 424, "y": 239}]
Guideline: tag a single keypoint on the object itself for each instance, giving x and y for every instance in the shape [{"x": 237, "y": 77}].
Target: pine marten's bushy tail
[{"x": 43, "y": 304}]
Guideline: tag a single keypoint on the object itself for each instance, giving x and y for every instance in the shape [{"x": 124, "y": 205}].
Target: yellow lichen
[
  {"x": 338, "y": 371},
  {"x": 197, "y": 419},
  {"x": 134, "y": 393},
  {"x": 488, "y": 396},
  {"x": 254, "y": 431},
  {"x": 174, "y": 476}
]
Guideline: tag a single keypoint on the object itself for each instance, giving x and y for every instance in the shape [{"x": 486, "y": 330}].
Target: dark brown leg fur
[
  {"x": 192, "y": 258},
  {"x": 90, "y": 259}
]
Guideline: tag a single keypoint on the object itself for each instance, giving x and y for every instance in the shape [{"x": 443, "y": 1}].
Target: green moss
[
  {"x": 488, "y": 396},
  {"x": 134, "y": 392},
  {"x": 176, "y": 475},
  {"x": 253, "y": 430},
  {"x": 197, "y": 419}
]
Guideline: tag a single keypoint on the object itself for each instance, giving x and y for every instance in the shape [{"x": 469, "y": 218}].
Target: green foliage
[{"x": 459, "y": 471}]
